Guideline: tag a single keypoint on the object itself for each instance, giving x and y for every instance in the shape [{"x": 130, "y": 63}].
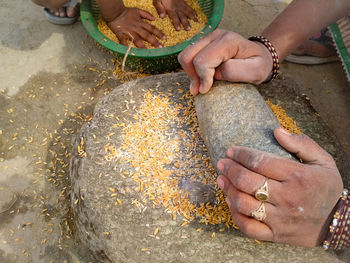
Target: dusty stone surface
[{"x": 129, "y": 233}]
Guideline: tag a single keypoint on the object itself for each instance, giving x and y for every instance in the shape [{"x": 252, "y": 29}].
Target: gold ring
[
  {"x": 260, "y": 213},
  {"x": 262, "y": 194}
]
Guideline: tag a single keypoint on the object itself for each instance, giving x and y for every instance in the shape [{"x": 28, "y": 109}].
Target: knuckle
[
  {"x": 238, "y": 203},
  {"x": 239, "y": 179},
  {"x": 183, "y": 58},
  {"x": 302, "y": 138},
  {"x": 226, "y": 37},
  {"x": 328, "y": 159},
  {"x": 198, "y": 61},
  {"x": 153, "y": 28}
]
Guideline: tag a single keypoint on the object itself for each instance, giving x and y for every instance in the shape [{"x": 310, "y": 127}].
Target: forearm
[
  {"x": 110, "y": 9},
  {"x": 300, "y": 20}
]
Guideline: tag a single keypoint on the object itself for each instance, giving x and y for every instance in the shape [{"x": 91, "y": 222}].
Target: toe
[
  {"x": 62, "y": 11},
  {"x": 71, "y": 11},
  {"x": 55, "y": 11}
]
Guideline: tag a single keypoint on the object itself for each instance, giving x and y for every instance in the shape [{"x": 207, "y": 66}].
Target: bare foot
[{"x": 69, "y": 11}]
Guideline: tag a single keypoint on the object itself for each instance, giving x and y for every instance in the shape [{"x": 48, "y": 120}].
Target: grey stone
[
  {"x": 236, "y": 114},
  {"x": 119, "y": 233}
]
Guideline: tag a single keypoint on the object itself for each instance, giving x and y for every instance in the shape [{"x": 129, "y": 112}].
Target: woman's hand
[
  {"x": 178, "y": 11},
  {"x": 301, "y": 195},
  {"x": 225, "y": 55},
  {"x": 129, "y": 25}
]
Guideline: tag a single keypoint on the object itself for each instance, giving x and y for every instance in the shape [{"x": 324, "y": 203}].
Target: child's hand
[
  {"x": 177, "y": 10},
  {"x": 130, "y": 25}
]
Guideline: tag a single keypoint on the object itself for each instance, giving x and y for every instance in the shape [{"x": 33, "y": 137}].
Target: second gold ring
[{"x": 262, "y": 194}]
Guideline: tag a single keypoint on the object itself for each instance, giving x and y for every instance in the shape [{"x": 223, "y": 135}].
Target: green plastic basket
[{"x": 155, "y": 60}]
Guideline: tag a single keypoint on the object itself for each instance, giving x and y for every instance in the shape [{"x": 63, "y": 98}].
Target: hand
[
  {"x": 225, "y": 55},
  {"x": 302, "y": 195},
  {"x": 178, "y": 11},
  {"x": 130, "y": 24}
]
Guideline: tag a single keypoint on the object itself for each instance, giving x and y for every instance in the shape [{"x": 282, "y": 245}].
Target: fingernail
[
  {"x": 229, "y": 153},
  {"x": 220, "y": 166},
  {"x": 188, "y": 28},
  {"x": 191, "y": 85},
  {"x": 193, "y": 90},
  {"x": 284, "y": 131},
  {"x": 177, "y": 28},
  {"x": 220, "y": 182},
  {"x": 160, "y": 46},
  {"x": 228, "y": 202}
]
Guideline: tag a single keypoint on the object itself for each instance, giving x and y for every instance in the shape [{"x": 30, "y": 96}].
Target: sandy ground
[{"x": 51, "y": 78}]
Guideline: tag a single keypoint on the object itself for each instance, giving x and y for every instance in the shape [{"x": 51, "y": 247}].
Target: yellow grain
[
  {"x": 165, "y": 25},
  {"x": 156, "y": 231},
  {"x": 287, "y": 122},
  {"x": 148, "y": 148},
  {"x": 184, "y": 223}
]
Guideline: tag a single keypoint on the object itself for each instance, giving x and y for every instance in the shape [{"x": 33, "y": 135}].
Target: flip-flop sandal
[
  {"x": 323, "y": 38},
  {"x": 311, "y": 60},
  {"x": 57, "y": 20}
]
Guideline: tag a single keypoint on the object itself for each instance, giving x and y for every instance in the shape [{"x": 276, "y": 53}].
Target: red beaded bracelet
[
  {"x": 272, "y": 50},
  {"x": 338, "y": 236}
]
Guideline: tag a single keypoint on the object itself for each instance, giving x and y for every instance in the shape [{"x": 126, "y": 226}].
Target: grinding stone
[{"x": 126, "y": 232}]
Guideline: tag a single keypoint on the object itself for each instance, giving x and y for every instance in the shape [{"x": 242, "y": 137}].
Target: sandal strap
[{"x": 325, "y": 39}]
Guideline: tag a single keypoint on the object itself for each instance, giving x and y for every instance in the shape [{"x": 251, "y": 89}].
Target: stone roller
[{"x": 232, "y": 114}]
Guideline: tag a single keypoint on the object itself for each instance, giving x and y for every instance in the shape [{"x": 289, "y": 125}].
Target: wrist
[
  {"x": 325, "y": 229},
  {"x": 111, "y": 9},
  {"x": 274, "y": 70},
  {"x": 268, "y": 61},
  {"x": 338, "y": 236}
]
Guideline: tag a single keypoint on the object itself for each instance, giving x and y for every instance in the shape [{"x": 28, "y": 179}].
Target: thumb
[{"x": 304, "y": 147}]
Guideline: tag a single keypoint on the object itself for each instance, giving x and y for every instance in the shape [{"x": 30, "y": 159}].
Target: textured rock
[
  {"x": 236, "y": 114},
  {"x": 133, "y": 230}
]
